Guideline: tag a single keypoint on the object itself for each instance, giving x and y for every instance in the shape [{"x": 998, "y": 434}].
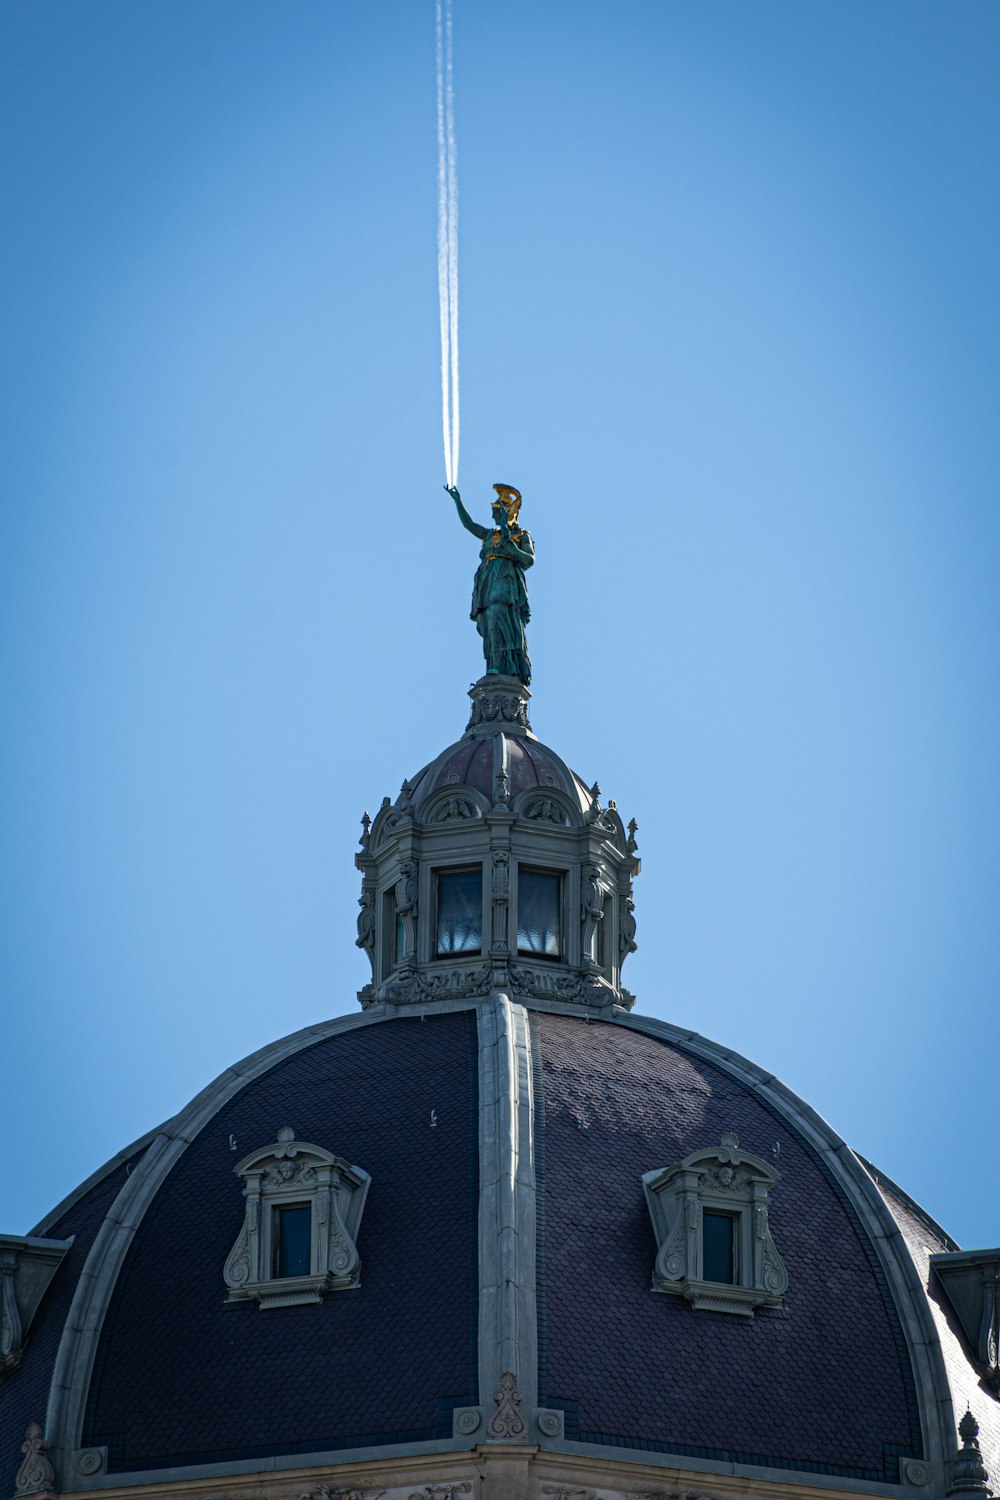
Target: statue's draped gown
[{"x": 500, "y": 605}]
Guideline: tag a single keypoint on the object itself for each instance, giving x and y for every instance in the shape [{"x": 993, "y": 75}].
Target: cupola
[{"x": 497, "y": 868}]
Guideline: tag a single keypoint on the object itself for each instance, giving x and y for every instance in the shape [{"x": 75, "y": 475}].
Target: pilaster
[{"x": 508, "y": 1330}]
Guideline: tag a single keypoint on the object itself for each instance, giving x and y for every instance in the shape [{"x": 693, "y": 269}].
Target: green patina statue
[{"x": 499, "y": 596}]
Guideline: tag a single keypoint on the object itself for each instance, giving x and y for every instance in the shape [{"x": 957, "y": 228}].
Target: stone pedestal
[{"x": 499, "y": 702}]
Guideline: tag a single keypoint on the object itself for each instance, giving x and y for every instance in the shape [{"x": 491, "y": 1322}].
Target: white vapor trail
[{"x": 447, "y": 239}]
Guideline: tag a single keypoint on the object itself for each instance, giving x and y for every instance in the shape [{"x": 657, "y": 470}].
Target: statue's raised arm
[
  {"x": 465, "y": 518},
  {"x": 499, "y": 594}
]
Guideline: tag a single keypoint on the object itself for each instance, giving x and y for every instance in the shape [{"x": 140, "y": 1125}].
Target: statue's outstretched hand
[{"x": 453, "y": 492}]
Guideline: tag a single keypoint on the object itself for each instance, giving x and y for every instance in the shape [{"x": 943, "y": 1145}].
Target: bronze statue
[{"x": 499, "y": 594}]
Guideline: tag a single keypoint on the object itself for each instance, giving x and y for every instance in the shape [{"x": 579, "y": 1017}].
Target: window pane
[
  {"x": 718, "y": 1243},
  {"x": 538, "y": 913},
  {"x": 460, "y": 912},
  {"x": 400, "y": 944},
  {"x": 292, "y": 1234}
]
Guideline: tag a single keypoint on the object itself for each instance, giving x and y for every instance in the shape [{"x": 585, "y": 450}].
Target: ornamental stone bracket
[
  {"x": 971, "y": 1280},
  {"x": 734, "y": 1186},
  {"x": 27, "y": 1266},
  {"x": 287, "y": 1174}
]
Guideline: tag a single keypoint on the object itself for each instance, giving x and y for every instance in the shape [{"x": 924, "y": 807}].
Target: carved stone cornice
[
  {"x": 419, "y": 986},
  {"x": 573, "y": 986}
]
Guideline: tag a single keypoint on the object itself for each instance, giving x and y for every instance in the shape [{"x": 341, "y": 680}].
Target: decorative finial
[
  {"x": 406, "y": 799},
  {"x": 968, "y": 1474},
  {"x": 632, "y": 843},
  {"x": 366, "y": 828},
  {"x": 35, "y": 1474},
  {"x": 502, "y": 785},
  {"x": 507, "y": 1421}
]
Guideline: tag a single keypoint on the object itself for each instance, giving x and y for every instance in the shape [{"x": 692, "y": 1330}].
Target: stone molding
[
  {"x": 508, "y": 1330},
  {"x": 502, "y": 1471}
]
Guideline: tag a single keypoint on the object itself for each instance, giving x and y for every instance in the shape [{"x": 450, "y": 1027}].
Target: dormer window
[
  {"x": 300, "y": 1224},
  {"x": 714, "y": 1244},
  {"x": 459, "y": 912},
  {"x": 539, "y": 909}
]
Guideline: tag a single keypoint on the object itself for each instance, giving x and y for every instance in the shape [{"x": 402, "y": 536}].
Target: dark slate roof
[
  {"x": 822, "y": 1383},
  {"x": 183, "y": 1376}
]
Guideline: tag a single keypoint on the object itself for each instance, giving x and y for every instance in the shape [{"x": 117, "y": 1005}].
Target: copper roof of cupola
[{"x": 500, "y": 753}]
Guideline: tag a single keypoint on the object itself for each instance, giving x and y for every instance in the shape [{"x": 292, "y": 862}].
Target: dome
[
  {"x": 495, "y": 1231},
  {"x": 499, "y": 744}
]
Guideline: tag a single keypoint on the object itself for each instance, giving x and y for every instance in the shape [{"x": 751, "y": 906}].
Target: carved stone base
[{"x": 499, "y": 702}]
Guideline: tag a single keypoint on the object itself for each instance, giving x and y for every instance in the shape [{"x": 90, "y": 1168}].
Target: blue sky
[{"x": 728, "y": 319}]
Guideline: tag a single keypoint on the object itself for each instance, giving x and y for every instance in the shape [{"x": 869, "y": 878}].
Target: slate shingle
[
  {"x": 817, "y": 1384},
  {"x": 184, "y": 1376}
]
